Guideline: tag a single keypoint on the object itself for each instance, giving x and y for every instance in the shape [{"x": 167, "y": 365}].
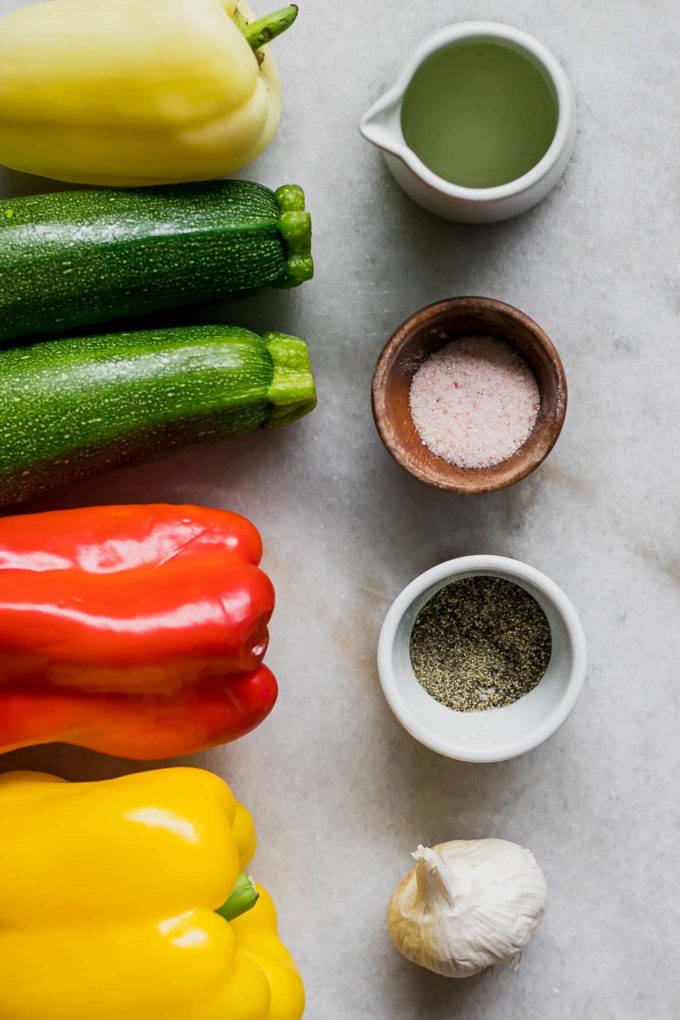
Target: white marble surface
[{"x": 341, "y": 794}]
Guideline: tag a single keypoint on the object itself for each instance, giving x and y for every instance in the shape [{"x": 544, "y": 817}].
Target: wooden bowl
[{"x": 427, "y": 331}]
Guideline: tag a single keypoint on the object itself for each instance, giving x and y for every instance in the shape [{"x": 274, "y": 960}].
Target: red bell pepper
[{"x": 137, "y": 631}]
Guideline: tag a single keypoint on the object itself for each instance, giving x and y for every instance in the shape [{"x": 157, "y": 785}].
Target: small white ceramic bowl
[{"x": 498, "y": 733}]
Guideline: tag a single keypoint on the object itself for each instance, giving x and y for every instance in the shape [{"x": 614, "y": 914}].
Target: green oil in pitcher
[{"x": 479, "y": 114}]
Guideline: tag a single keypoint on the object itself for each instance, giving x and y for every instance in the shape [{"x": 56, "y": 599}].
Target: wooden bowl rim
[{"x": 469, "y": 481}]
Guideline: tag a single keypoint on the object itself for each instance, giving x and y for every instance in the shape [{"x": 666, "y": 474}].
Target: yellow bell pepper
[
  {"x": 108, "y": 899},
  {"x": 137, "y": 92}
]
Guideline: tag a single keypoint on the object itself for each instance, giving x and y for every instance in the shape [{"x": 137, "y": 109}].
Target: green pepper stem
[
  {"x": 262, "y": 31},
  {"x": 243, "y": 898}
]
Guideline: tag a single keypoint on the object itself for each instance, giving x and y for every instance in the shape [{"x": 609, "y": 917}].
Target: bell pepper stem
[
  {"x": 259, "y": 33},
  {"x": 243, "y": 898}
]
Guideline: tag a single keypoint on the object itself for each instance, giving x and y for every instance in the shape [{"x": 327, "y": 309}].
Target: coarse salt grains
[{"x": 474, "y": 402}]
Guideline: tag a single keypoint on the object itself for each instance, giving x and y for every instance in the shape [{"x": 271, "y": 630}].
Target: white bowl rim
[
  {"x": 476, "y": 564},
  {"x": 459, "y": 32}
]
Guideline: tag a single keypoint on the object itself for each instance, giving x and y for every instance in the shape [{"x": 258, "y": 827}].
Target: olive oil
[{"x": 479, "y": 114}]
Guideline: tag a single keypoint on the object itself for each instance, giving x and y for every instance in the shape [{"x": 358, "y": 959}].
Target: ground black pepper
[{"x": 481, "y": 642}]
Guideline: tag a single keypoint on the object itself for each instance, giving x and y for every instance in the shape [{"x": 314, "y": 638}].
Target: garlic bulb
[{"x": 467, "y": 905}]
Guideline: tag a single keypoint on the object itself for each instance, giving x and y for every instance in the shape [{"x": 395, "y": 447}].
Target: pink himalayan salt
[{"x": 474, "y": 402}]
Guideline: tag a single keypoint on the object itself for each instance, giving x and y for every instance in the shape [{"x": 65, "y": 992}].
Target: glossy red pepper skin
[{"x": 137, "y": 631}]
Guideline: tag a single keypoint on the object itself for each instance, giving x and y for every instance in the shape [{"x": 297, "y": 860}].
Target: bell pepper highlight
[
  {"x": 110, "y": 898},
  {"x": 137, "y": 631}
]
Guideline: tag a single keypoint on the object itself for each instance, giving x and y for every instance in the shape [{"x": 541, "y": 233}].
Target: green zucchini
[
  {"x": 74, "y": 258},
  {"x": 73, "y": 408}
]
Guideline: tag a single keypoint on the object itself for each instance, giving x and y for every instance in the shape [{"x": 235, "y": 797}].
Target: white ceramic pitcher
[{"x": 382, "y": 126}]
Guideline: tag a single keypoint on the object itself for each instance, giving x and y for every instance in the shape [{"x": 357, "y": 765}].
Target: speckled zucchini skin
[
  {"x": 73, "y": 408},
  {"x": 74, "y": 258}
]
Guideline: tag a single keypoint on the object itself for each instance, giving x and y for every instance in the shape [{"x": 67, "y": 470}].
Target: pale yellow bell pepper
[
  {"x": 137, "y": 92},
  {"x": 108, "y": 893}
]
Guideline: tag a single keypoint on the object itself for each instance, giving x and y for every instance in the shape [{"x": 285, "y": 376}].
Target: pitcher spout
[{"x": 382, "y": 124}]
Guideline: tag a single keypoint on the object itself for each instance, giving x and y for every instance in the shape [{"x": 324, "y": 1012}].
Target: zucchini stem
[
  {"x": 295, "y": 225},
  {"x": 243, "y": 898},
  {"x": 291, "y": 392},
  {"x": 262, "y": 31}
]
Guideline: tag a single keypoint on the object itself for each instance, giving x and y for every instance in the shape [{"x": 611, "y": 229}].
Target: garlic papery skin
[{"x": 467, "y": 905}]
